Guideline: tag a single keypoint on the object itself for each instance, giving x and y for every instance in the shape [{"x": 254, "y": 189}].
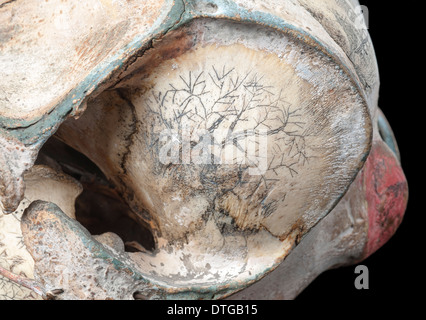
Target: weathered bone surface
[
  {"x": 366, "y": 217},
  {"x": 42, "y": 183},
  {"x": 243, "y": 138}
]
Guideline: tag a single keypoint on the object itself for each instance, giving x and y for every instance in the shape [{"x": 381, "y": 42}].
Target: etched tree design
[{"x": 234, "y": 108}]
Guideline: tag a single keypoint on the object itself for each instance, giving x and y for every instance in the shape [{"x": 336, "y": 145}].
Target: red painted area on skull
[{"x": 386, "y": 192}]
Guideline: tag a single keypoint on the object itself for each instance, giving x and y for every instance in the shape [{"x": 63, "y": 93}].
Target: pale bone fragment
[{"x": 42, "y": 183}]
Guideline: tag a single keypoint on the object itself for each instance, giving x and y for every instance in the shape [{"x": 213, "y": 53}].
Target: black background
[{"x": 396, "y": 270}]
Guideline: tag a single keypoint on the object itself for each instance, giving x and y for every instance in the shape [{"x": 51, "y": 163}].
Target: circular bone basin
[{"x": 230, "y": 141}]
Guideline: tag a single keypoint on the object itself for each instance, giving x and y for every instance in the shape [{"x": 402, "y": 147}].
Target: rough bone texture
[
  {"x": 42, "y": 183},
  {"x": 366, "y": 217}
]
